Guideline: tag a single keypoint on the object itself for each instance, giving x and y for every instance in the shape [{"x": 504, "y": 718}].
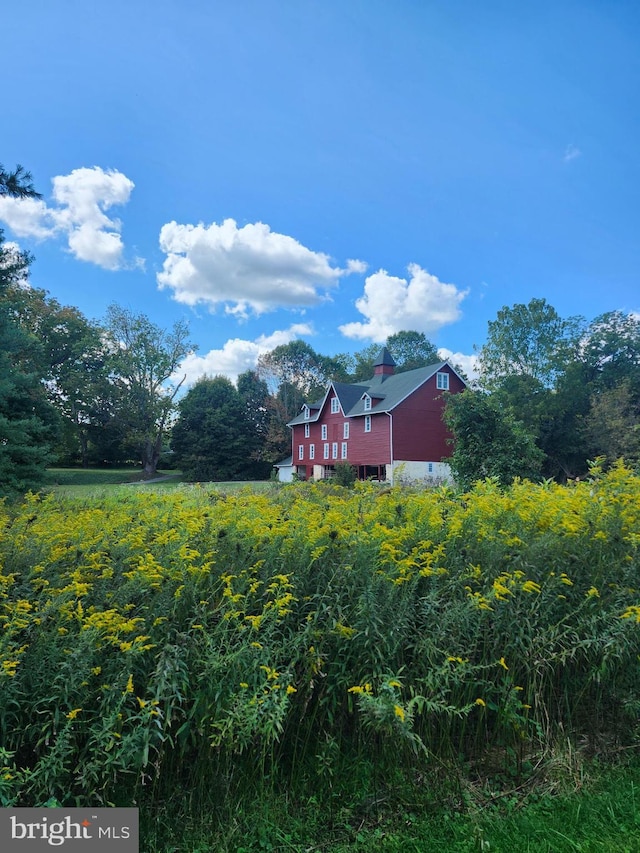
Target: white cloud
[
  {"x": 468, "y": 363},
  {"x": 28, "y": 217},
  {"x": 237, "y": 355},
  {"x": 571, "y": 152},
  {"x": 248, "y": 268},
  {"x": 356, "y": 266},
  {"x": 79, "y": 214},
  {"x": 391, "y": 304}
]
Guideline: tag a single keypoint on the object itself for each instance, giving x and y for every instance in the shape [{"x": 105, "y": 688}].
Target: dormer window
[
  {"x": 367, "y": 403},
  {"x": 335, "y": 405},
  {"x": 307, "y": 413},
  {"x": 442, "y": 381}
]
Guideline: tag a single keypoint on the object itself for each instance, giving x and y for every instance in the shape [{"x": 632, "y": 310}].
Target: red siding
[
  {"x": 419, "y": 433},
  {"x": 369, "y": 448}
]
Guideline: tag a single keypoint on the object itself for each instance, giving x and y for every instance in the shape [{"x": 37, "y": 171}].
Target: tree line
[{"x": 552, "y": 393}]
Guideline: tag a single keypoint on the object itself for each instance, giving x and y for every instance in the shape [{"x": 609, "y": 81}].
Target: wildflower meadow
[{"x": 194, "y": 644}]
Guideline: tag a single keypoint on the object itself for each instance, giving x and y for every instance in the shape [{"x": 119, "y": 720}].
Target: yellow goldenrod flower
[
  {"x": 480, "y": 702},
  {"x": 399, "y": 712},
  {"x": 73, "y": 714},
  {"x": 291, "y": 689},
  {"x": 592, "y": 593},
  {"x": 503, "y": 663}
]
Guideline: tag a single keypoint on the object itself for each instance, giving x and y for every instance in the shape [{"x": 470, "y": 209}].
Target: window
[
  {"x": 335, "y": 405},
  {"x": 312, "y": 451},
  {"x": 345, "y": 429},
  {"x": 306, "y": 412},
  {"x": 367, "y": 403},
  {"x": 334, "y": 450},
  {"x": 442, "y": 381},
  {"x": 430, "y": 468},
  {"x": 344, "y": 450},
  {"x": 367, "y": 423},
  {"x": 324, "y": 432},
  {"x": 301, "y": 451},
  {"x": 306, "y": 430},
  {"x": 326, "y": 451}
]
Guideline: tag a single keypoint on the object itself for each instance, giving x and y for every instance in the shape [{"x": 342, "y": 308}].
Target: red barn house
[{"x": 389, "y": 428}]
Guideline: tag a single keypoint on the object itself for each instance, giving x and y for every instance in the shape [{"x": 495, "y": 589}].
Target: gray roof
[
  {"x": 285, "y": 463},
  {"x": 386, "y": 391},
  {"x": 385, "y": 358}
]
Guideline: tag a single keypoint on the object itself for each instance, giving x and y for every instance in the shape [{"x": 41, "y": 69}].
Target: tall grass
[{"x": 232, "y": 644}]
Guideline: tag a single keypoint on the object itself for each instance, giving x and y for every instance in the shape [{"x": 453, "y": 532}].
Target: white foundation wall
[
  {"x": 285, "y": 473},
  {"x": 409, "y": 472}
]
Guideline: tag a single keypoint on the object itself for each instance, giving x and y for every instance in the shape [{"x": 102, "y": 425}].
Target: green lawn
[
  {"x": 95, "y": 482},
  {"x": 601, "y": 816}
]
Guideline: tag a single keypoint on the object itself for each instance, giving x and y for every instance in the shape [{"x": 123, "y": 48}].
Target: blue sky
[{"x": 335, "y": 170}]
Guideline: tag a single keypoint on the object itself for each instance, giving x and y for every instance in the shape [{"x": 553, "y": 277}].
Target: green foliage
[
  {"x": 143, "y": 360},
  {"x": 488, "y": 441},
  {"x": 18, "y": 184},
  {"x": 531, "y": 340},
  {"x": 28, "y": 423},
  {"x": 214, "y": 438},
  {"x": 345, "y": 475},
  {"x": 234, "y": 645},
  {"x": 411, "y": 350},
  {"x": 564, "y": 379}
]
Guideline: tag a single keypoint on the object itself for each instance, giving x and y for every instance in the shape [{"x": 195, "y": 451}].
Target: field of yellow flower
[{"x": 155, "y": 641}]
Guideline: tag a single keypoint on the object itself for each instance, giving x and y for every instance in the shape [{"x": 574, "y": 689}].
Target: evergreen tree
[
  {"x": 213, "y": 438},
  {"x": 27, "y": 421}
]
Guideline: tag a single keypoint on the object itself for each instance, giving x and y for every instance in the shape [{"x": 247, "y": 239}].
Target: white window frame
[
  {"x": 307, "y": 430},
  {"x": 324, "y": 432},
  {"x": 307, "y": 413},
  {"x": 367, "y": 403},
  {"x": 301, "y": 451},
  {"x": 442, "y": 381},
  {"x": 326, "y": 451},
  {"x": 343, "y": 452},
  {"x": 334, "y": 450},
  {"x": 367, "y": 423},
  {"x": 345, "y": 429},
  {"x": 335, "y": 405},
  {"x": 312, "y": 451}
]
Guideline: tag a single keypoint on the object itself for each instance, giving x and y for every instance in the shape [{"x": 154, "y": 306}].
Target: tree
[
  {"x": 488, "y": 441},
  {"x": 143, "y": 360},
  {"x": 612, "y": 426},
  {"x": 411, "y": 350},
  {"x": 255, "y": 397},
  {"x": 610, "y": 350},
  {"x": 79, "y": 382},
  {"x": 18, "y": 184},
  {"x": 364, "y": 361},
  {"x": 213, "y": 438},
  {"x": 27, "y": 421},
  {"x": 298, "y": 365},
  {"x": 528, "y": 340}
]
